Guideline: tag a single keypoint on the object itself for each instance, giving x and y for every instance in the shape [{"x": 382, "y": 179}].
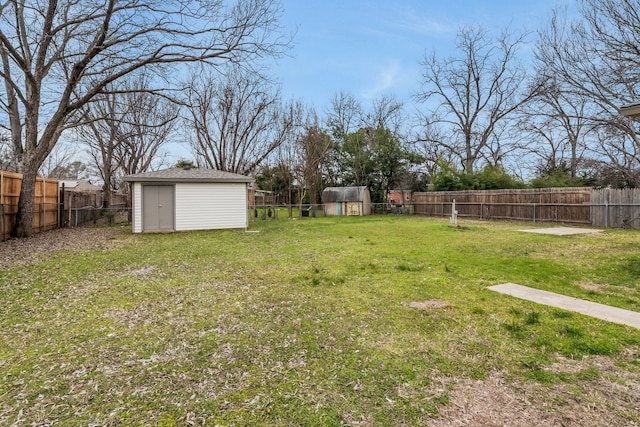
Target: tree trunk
[
  {"x": 470, "y": 160},
  {"x": 468, "y": 165},
  {"x": 574, "y": 160},
  {"x": 301, "y": 195},
  {"x": 106, "y": 192},
  {"x": 313, "y": 198},
  {"x": 26, "y": 203}
]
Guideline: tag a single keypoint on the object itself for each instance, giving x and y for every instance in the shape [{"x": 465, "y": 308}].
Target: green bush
[
  {"x": 558, "y": 179},
  {"x": 448, "y": 178}
]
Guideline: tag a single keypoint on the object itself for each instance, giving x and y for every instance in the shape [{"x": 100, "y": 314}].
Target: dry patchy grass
[{"x": 295, "y": 326}]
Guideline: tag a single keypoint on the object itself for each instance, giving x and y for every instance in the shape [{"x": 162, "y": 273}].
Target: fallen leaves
[{"x": 31, "y": 250}]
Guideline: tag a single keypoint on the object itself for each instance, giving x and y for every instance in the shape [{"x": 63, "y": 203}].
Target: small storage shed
[
  {"x": 346, "y": 201},
  {"x": 183, "y": 199}
]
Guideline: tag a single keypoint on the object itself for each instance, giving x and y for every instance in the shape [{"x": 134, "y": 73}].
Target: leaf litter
[{"x": 612, "y": 398}]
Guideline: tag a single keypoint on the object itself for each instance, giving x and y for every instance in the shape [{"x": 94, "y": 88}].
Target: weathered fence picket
[
  {"x": 568, "y": 205},
  {"x": 615, "y": 208},
  {"x": 606, "y": 208},
  {"x": 45, "y": 211}
]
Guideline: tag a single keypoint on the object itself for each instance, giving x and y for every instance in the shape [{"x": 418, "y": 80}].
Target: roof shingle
[{"x": 187, "y": 175}]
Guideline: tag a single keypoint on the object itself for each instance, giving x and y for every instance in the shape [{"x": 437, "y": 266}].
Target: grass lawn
[{"x": 322, "y": 321}]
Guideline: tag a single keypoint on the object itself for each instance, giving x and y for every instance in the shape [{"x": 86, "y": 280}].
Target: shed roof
[
  {"x": 187, "y": 175},
  {"x": 343, "y": 194},
  {"x": 630, "y": 110}
]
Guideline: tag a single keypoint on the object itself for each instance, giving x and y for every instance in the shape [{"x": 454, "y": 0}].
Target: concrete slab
[
  {"x": 600, "y": 311},
  {"x": 562, "y": 231}
]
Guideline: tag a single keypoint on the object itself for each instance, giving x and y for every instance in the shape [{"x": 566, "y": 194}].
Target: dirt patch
[
  {"x": 609, "y": 399},
  {"x": 427, "y": 305},
  {"x": 143, "y": 271},
  {"x": 563, "y": 231},
  {"x": 593, "y": 287},
  {"x": 31, "y": 250},
  {"x": 621, "y": 290}
]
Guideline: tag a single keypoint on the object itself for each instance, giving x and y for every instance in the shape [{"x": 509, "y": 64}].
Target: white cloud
[
  {"x": 409, "y": 20},
  {"x": 427, "y": 27},
  {"x": 385, "y": 80}
]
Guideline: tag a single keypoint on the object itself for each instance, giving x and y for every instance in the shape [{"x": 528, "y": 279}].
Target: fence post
[
  {"x": 454, "y": 213},
  {"x": 606, "y": 208},
  {"x": 61, "y": 207},
  {"x": 2, "y": 218},
  {"x": 43, "y": 206},
  {"x": 4, "y": 236},
  {"x": 534, "y": 213}
]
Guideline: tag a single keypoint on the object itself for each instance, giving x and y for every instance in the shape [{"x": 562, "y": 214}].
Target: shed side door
[{"x": 158, "y": 208}]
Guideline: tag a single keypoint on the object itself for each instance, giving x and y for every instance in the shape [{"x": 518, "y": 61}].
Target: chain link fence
[{"x": 263, "y": 213}]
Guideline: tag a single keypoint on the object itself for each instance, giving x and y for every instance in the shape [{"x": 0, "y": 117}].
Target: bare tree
[
  {"x": 100, "y": 135},
  {"x": 344, "y": 116},
  {"x": 474, "y": 91},
  {"x": 71, "y": 170},
  {"x": 56, "y": 160},
  {"x": 63, "y": 162},
  {"x": 616, "y": 163},
  {"x": 596, "y": 60},
  {"x": 57, "y": 55},
  {"x": 7, "y": 160},
  {"x": 387, "y": 112},
  {"x": 145, "y": 126},
  {"x": 347, "y": 115},
  {"x": 286, "y": 155},
  {"x": 125, "y": 130},
  {"x": 237, "y": 121},
  {"x": 428, "y": 145},
  {"x": 502, "y": 143},
  {"x": 312, "y": 153},
  {"x": 552, "y": 127},
  {"x": 354, "y": 130}
]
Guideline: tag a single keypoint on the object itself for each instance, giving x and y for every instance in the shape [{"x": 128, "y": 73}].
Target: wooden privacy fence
[
  {"x": 566, "y": 205},
  {"x": 45, "y": 214},
  {"x": 615, "y": 208}
]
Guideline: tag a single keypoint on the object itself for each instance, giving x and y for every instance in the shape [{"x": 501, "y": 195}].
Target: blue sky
[{"x": 373, "y": 48}]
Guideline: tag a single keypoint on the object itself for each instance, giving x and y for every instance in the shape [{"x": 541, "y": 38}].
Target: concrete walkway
[
  {"x": 600, "y": 311},
  {"x": 563, "y": 231}
]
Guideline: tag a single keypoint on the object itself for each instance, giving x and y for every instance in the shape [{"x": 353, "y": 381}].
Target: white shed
[{"x": 181, "y": 199}]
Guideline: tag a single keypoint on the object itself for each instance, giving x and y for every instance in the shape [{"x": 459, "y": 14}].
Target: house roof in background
[
  {"x": 187, "y": 175},
  {"x": 78, "y": 185}
]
